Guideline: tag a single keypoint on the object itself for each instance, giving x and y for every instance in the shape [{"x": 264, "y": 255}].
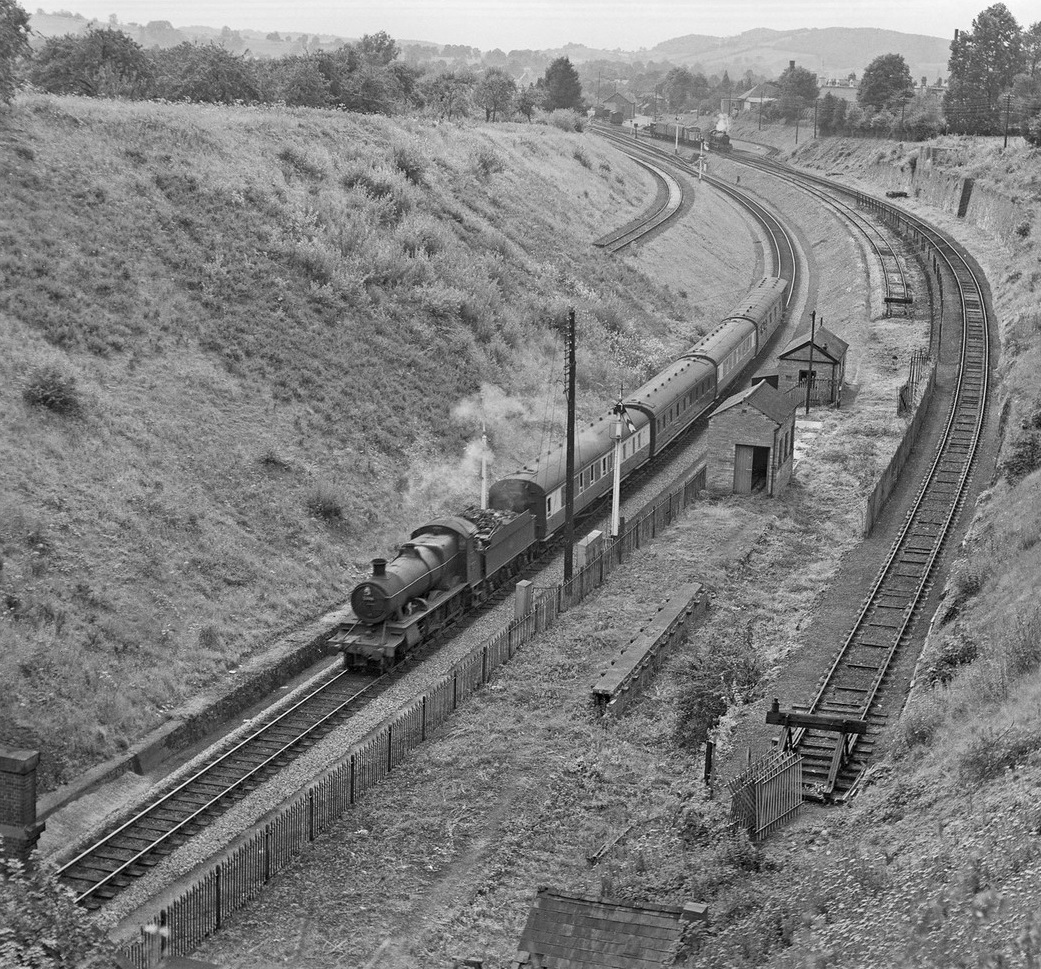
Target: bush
[
  {"x": 1024, "y": 458},
  {"x": 990, "y": 752},
  {"x": 49, "y": 387},
  {"x": 410, "y": 163},
  {"x": 324, "y": 504},
  {"x": 954, "y": 652},
  {"x": 487, "y": 162}
]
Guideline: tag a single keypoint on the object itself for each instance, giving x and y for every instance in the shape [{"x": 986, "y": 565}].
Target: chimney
[
  {"x": 956, "y": 35},
  {"x": 379, "y": 568},
  {"x": 791, "y": 65}
]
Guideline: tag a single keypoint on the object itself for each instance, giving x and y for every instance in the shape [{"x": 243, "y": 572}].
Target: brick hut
[
  {"x": 751, "y": 437},
  {"x": 829, "y": 367}
]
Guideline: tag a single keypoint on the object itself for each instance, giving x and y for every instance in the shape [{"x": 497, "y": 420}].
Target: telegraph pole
[
  {"x": 569, "y": 485},
  {"x": 1008, "y": 104},
  {"x": 616, "y": 491},
  {"x": 809, "y": 375},
  {"x": 815, "y": 103},
  {"x": 761, "y": 108}
]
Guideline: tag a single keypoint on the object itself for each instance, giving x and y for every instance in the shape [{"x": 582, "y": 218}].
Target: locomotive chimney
[{"x": 379, "y": 567}]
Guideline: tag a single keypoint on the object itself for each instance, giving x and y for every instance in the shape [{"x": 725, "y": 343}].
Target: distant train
[
  {"x": 453, "y": 563},
  {"x": 689, "y": 135}
]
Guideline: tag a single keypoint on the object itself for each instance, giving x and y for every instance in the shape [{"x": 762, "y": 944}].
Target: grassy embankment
[{"x": 243, "y": 350}]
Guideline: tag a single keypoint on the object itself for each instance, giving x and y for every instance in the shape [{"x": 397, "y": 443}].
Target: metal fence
[
  {"x": 243, "y": 870},
  {"x": 767, "y": 794}
]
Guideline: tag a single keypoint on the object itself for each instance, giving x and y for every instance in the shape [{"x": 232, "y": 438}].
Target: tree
[
  {"x": 682, "y": 89},
  {"x": 100, "y": 63},
  {"x": 449, "y": 93},
  {"x": 193, "y": 72},
  {"x": 798, "y": 89},
  {"x": 494, "y": 92},
  {"x": 1032, "y": 48},
  {"x": 982, "y": 66},
  {"x": 886, "y": 83},
  {"x": 14, "y": 45},
  {"x": 378, "y": 49},
  {"x": 562, "y": 87},
  {"x": 529, "y": 100}
]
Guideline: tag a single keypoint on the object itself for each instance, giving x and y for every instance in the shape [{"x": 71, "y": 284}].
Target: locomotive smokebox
[{"x": 379, "y": 567}]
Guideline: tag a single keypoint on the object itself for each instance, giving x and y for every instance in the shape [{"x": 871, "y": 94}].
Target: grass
[{"x": 241, "y": 307}]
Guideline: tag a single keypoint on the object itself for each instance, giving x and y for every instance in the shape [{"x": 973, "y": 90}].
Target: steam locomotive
[{"x": 454, "y": 563}]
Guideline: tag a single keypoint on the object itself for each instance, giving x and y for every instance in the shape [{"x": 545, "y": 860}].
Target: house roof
[
  {"x": 769, "y": 402},
  {"x": 618, "y": 96},
  {"x": 824, "y": 342},
  {"x": 575, "y": 932}
]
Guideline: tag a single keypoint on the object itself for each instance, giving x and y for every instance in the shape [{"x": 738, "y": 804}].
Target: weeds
[
  {"x": 486, "y": 162},
  {"x": 989, "y": 752},
  {"x": 51, "y": 388},
  {"x": 323, "y": 503},
  {"x": 1024, "y": 458},
  {"x": 408, "y": 160}
]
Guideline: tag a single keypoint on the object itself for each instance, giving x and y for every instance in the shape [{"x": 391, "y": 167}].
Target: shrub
[
  {"x": 408, "y": 160},
  {"x": 919, "y": 723},
  {"x": 1023, "y": 229},
  {"x": 581, "y": 157},
  {"x": 51, "y": 388},
  {"x": 954, "y": 652},
  {"x": 990, "y": 752},
  {"x": 1024, "y": 458},
  {"x": 301, "y": 161},
  {"x": 271, "y": 460},
  {"x": 43, "y": 926},
  {"x": 325, "y": 504},
  {"x": 486, "y": 162}
]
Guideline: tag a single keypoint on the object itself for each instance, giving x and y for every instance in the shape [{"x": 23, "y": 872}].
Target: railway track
[
  {"x": 896, "y": 285},
  {"x": 100, "y": 872},
  {"x": 855, "y": 686},
  {"x": 671, "y": 193},
  {"x": 784, "y": 261}
]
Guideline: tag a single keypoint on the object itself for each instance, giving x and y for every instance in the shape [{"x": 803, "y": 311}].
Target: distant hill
[{"x": 830, "y": 51}]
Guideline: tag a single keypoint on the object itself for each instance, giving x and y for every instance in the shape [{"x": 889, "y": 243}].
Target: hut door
[{"x": 743, "y": 455}]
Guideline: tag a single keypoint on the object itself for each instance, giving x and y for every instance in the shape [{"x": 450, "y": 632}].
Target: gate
[{"x": 767, "y": 794}]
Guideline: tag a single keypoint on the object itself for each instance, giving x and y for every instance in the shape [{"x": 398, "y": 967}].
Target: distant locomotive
[
  {"x": 456, "y": 562},
  {"x": 719, "y": 141}
]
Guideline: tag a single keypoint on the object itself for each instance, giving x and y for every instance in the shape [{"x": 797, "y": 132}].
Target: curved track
[
  {"x": 855, "y": 685},
  {"x": 897, "y": 289},
  {"x": 784, "y": 260},
  {"x": 671, "y": 193}
]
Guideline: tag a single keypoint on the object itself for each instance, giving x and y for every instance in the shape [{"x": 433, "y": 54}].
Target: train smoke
[{"x": 723, "y": 122}]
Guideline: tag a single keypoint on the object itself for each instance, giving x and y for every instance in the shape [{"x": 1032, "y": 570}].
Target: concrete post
[
  {"x": 522, "y": 599},
  {"x": 588, "y": 549},
  {"x": 19, "y": 828}
]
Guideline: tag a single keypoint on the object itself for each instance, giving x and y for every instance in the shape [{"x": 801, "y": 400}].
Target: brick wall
[{"x": 18, "y": 826}]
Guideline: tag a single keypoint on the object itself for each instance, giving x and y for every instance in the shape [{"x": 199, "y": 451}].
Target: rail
[{"x": 229, "y": 883}]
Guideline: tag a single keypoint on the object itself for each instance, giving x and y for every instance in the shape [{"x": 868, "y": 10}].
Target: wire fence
[{"x": 240, "y": 874}]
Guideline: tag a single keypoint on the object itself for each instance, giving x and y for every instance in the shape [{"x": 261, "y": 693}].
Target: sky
[{"x": 539, "y": 24}]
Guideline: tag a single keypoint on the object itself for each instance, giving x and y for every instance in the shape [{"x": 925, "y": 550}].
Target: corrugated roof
[
  {"x": 832, "y": 346},
  {"x": 575, "y": 932},
  {"x": 764, "y": 399}
]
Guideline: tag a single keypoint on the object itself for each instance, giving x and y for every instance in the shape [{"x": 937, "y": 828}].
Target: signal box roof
[
  {"x": 825, "y": 342},
  {"x": 769, "y": 402}
]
